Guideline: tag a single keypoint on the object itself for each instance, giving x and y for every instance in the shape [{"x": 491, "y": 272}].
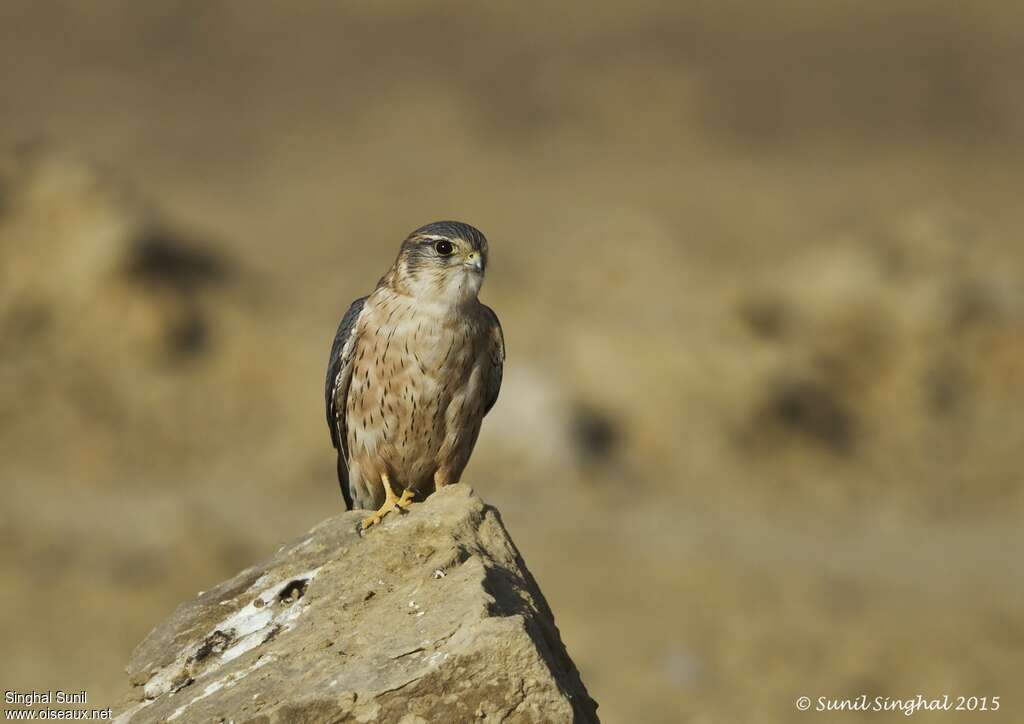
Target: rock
[{"x": 432, "y": 616}]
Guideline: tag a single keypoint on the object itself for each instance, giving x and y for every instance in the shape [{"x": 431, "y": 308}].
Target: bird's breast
[{"x": 412, "y": 374}]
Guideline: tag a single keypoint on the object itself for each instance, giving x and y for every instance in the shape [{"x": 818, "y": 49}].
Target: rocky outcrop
[{"x": 430, "y": 617}]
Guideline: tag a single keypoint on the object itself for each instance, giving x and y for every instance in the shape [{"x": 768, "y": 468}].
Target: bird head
[{"x": 442, "y": 262}]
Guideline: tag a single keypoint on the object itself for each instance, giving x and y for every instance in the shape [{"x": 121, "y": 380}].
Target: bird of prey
[{"x": 414, "y": 368}]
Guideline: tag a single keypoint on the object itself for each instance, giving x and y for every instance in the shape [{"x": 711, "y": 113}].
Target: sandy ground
[{"x": 759, "y": 271}]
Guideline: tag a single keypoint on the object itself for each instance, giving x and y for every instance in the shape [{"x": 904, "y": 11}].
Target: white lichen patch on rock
[
  {"x": 273, "y": 611},
  {"x": 212, "y": 688}
]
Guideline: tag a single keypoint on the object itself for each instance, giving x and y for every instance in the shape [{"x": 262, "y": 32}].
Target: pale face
[{"x": 443, "y": 269}]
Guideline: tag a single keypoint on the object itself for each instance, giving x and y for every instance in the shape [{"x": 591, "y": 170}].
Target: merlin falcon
[{"x": 414, "y": 368}]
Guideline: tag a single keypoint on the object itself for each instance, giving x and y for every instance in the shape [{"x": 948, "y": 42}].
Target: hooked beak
[{"x": 474, "y": 261}]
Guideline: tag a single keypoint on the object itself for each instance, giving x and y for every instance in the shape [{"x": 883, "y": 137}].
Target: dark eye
[{"x": 444, "y": 248}]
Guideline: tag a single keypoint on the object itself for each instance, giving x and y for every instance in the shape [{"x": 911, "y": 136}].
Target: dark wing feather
[
  {"x": 339, "y": 374},
  {"x": 492, "y": 381}
]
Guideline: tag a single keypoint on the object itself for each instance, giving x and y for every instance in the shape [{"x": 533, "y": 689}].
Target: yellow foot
[{"x": 391, "y": 502}]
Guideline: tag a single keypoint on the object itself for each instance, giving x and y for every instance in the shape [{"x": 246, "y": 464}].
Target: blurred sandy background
[{"x": 759, "y": 269}]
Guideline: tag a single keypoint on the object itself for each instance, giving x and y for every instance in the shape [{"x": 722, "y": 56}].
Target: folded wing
[{"x": 339, "y": 374}]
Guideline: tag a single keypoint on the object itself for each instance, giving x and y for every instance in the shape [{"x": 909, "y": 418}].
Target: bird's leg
[
  {"x": 391, "y": 501},
  {"x": 440, "y": 480}
]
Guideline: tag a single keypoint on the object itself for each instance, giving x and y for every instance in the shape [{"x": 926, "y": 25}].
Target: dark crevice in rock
[
  {"x": 293, "y": 591},
  {"x": 215, "y": 643}
]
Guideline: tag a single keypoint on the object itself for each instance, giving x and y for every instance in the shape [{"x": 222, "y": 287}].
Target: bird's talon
[
  {"x": 391, "y": 503},
  {"x": 374, "y": 519},
  {"x": 406, "y": 500}
]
